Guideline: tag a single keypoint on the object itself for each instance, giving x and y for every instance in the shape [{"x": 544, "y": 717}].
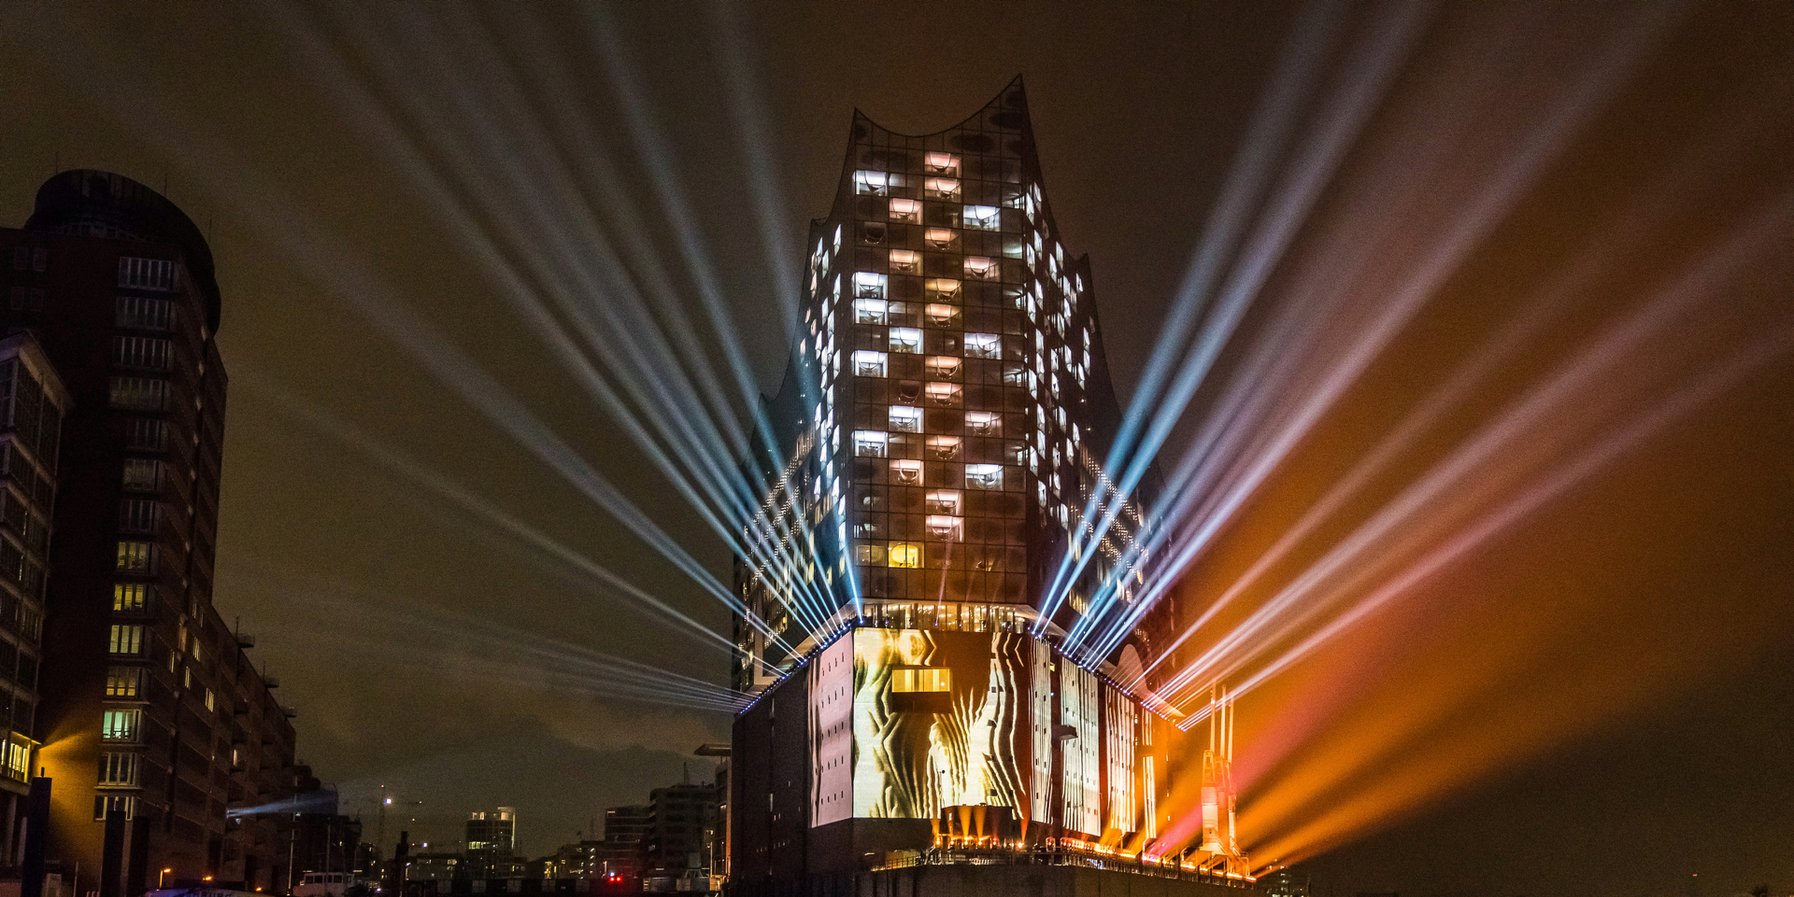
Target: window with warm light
[
  {"x": 945, "y": 367},
  {"x": 942, "y": 188},
  {"x": 908, "y": 211},
  {"x": 944, "y": 394},
  {"x": 980, "y": 268},
  {"x": 123, "y": 682},
  {"x": 906, "y": 472},
  {"x": 125, "y": 638},
  {"x": 906, "y": 261},
  {"x": 939, "y": 237},
  {"x": 943, "y": 288},
  {"x": 943, "y": 448},
  {"x": 941, "y": 163},
  {"x": 940, "y": 315},
  {"x": 983, "y": 423},
  {"x": 905, "y": 554},
  {"x": 944, "y": 528}
]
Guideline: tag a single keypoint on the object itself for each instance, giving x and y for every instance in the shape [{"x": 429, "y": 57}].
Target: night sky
[{"x": 1612, "y": 704}]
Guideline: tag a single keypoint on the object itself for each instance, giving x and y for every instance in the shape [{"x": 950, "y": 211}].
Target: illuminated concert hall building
[{"x": 932, "y": 475}]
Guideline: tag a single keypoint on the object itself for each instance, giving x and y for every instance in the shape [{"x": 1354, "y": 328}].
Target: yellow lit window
[
  {"x": 905, "y": 261},
  {"x": 906, "y": 554},
  {"x": 127, "y": 596},
  {"x": 906, "y": 210},
  {"x": 939, "y": 237}
]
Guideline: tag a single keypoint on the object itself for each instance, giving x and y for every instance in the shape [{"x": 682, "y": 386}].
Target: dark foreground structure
[
  {"x": 129, "y": 690},
  {"x": 935, "y": 520}
]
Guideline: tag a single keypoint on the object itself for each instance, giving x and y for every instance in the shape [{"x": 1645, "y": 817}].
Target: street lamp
[{"x": 162, "y": 880}]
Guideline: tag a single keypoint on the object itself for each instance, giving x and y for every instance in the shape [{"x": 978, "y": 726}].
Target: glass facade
[{"x": 941, "y": 423}]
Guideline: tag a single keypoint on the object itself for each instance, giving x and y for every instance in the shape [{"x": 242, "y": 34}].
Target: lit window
[
  {"x": 944, "y": 528},
  {"x": 944, "y": 289},
  {"x": 906, "y": 339},
  {"x": 945, "y": 367},
  {"x": 943, "y": 501},
  {"x": 942, "y": 188},
  {"x": 1015, "y": 375},
  {"x": 870, "y": 554},
  {"x": 872, "y": 183},
  {"x": 945, "y": 448},
  {"x": 984, "y": 476},
  {"x": 869, "y": 443},
  {"x": 980, "y": 268},
  {"x": 906, "y": 554},
  {"x": 119, "y": 725},
  {"x": 941, "y": 163},
  {"x": 939, "y": 237},
  {"x": 136, "y": 557},
  {"x": 123, "y": 682},
  {"x": 943, "y": 393},
  {"x": 871, "y": 311},
  {"x": 983, "y": 423},
  {"x": 868, "y": 285},
  {"x": 983, "y": 345},
  {"x": 906, "y": 419},
  {"x": 981, "y": 217},
  {"x": 128, "y": 596},
  {"x": 869, "y": 363},
  {"x": 940, "y": 315},
  {"x": 906, "y": 210},
  {"x": 905, "y": 261},
  {"x": 906, "y": 472},
  {"x": 126, "y": 638}
]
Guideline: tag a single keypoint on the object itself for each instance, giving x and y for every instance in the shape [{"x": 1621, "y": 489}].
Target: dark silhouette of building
[
  {"x": 33, "y": 403},
  {"x": 677, "y": 851},
  {"x": 941, "y": 628},
  {"x": 150, "y": 710},
  {"x": 491, "y": 842},
  {"x": 625, "y": 830}
]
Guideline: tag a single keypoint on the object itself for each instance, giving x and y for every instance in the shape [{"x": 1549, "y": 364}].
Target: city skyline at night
[{"x": 1444, "y": 347}]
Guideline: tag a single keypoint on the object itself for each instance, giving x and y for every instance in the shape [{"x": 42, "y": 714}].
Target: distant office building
[
  {"x": 491, "y": 842},
  {"x": 32, "y": 406},
  {"x": 582, "y": 859},
  {"x": 943, "y": 632},
  {"x": 1284, "y": 882},
  {"x": 152, "y": 719},
  {"x": 625, "y": 830},
  {"x": 435, "y": 867},
  {"x": 678, "y": 849}
]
